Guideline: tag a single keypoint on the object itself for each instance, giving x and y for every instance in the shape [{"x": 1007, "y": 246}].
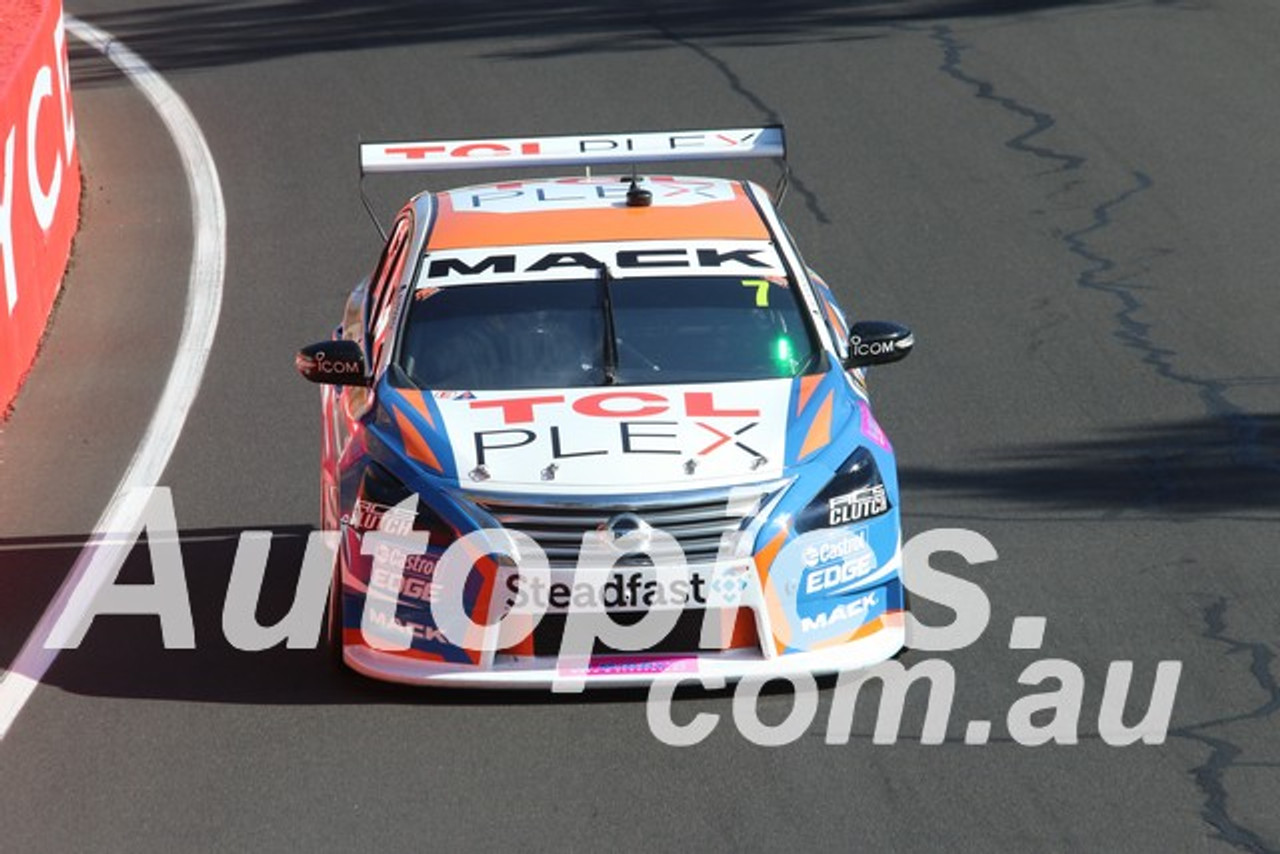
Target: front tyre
[{"x": 333, "y": 620}]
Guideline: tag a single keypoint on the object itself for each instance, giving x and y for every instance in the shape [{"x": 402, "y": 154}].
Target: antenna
[
  {"x": 368, "y": 206},
  {"x": 364, "y": 200},
  {"x": 784, "y": 181}
]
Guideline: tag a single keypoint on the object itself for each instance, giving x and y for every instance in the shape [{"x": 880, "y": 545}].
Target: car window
[
  {"x": 832, "y": 314},
  {"x": 383, "y": 287},
  {"x": 549, "y": 334}
]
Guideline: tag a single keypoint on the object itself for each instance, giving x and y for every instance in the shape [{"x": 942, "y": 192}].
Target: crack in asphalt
[
  {"x": 1246, "y": 431},
  {"x": 952, "y": 55},
  {"x": 1223, "y": 754},
  {"x": 771, "y": 115},
  {"x": 1246, "y": 443}
]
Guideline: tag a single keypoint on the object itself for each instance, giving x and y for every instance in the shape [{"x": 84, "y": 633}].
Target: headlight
[
  {"x": 855, "y": 494},
  {"x": 378, "y": 507}
]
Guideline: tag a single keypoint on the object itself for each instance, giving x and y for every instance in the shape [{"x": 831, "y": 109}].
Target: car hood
[{"x": 612, "y": 440}]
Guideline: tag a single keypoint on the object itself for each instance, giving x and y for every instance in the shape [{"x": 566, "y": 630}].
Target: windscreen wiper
[{"x": 610, "y": 332}]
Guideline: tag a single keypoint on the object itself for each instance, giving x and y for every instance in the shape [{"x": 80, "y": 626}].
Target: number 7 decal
[{"x": 762, "y": 291}]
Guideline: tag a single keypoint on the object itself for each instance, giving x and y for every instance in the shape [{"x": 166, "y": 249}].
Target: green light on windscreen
[{"x": 782, "y": 354}]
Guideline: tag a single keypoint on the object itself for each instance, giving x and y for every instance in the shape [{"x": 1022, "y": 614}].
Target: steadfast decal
[{"x": 634, "y": 591}]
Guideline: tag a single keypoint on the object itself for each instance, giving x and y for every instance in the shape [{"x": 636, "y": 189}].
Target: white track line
[{"x": 199, "y": 323}]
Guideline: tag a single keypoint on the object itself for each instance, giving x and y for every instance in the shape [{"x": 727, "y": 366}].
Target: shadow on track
[
  {"x": 1181, "y": 468},
  {"x": 1203, "y": 467},
  {"x": 124, "y": 655},
  {"x": 201, "y": 35}
]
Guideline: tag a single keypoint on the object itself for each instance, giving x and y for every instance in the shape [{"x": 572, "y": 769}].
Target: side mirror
[
  {"x": 332, "y": 363},
  {"x": 878, "y": 342}
]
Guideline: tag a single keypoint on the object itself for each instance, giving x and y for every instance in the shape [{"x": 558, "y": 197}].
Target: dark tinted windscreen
[{"x": 553, "y": 333}]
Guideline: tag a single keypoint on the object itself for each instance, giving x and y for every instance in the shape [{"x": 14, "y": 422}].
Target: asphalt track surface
[{"x": 1073, "y": 205}]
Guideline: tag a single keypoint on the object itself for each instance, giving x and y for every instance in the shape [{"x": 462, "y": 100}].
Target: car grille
[
  {"x": 697, "y": 520},
  {"x": 547, "y": 638}
]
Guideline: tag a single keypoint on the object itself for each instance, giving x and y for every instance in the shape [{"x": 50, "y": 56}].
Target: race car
[{"x": 603, "y": 429}]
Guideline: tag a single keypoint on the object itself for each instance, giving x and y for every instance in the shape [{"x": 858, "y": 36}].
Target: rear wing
[{"x": 585, "y": 150}]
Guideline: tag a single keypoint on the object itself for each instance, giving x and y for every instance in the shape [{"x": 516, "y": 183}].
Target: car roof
[{"x": 587, "y": 209}]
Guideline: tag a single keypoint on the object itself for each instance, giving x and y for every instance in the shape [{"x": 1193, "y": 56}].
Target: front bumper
[{"x": 879, "y": 640}]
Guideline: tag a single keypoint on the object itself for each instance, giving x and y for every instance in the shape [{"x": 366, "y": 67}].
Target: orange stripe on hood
[
  {"x": 819, "y": 435},
  {"x": 777, "y": 614},
  {"x": 419, "y": 404},
  {"x": 414, "y": 444},
  {"x": 731, "y": 220},
  {"x": 807, "y": 386}
]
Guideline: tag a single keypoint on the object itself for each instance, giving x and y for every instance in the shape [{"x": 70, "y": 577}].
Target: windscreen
[{"x": 589, "y": 332}]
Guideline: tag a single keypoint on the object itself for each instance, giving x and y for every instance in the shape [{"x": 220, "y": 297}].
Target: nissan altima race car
[{"x": 603, "y": 428}]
